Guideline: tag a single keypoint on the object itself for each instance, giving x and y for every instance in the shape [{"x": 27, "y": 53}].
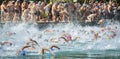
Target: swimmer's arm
[
  {"x": 24, "y": 47},
  {"x": 4, "y": 43},
  {"x": 53, "y": 46},
  {"x": 75, "y": 38},
  {"x": 10, "y": 43},
  {"x": 64, "y": 39},
  {"x": 36, "y": 43}
]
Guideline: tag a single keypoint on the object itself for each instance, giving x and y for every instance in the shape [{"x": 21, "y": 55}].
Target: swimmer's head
[
  {"x": 51, "y": 49},
  {"x": 57, "y": 3},
  {"x": 10, "y": 44},
  {"x": 3, "y": 2},
  {"x": 103, "y": 29},
  {"x": 30, "y": 39},
  {"x": 22, "y": 52}
]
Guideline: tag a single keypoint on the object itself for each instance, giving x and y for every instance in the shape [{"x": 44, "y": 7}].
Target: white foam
[{"x": 24, "y": 31}]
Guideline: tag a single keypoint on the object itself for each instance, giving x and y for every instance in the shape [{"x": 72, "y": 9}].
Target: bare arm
[
  {"x": 24, "y": 47},
  {"x": 53, "y": 46},
  {"x": 6, "y": 42},
  {"x": 63, "y": 38},
  {"x": 35, "y": 42}
]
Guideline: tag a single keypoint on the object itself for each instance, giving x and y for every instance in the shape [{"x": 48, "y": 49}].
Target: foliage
[{"x": 81, "y": 1}]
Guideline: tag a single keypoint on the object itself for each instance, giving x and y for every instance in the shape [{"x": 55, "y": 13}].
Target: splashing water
[{"x": 20, "y": 33}]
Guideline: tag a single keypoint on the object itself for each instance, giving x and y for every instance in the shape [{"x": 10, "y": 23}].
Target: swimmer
[
  {"x": 101, "y": 21},
  {"x": 32, "y": 43},
  {"x": 53, "y": 40},
  {"x": 50, "y": 49},
  {"x": 90, "y": 18},
  {"x": 96, "y": 36},
  {"x": 11, "y": 33},
  {"x": 112, "y": 35},
  {"x": 68, "y": 37},
  {"x": 22, "y": 50},
  {"x": 103, "y": 29},
  {"x": 3, "y": 43},
  {"x": 49, "y": 31}
]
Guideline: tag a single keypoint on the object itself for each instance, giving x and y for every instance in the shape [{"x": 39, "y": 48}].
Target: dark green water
[{"x": 93, "y": 54}]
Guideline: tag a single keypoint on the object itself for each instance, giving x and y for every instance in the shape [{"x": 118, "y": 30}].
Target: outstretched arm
[
  {"x": 63, "y": 38},
  {"x": 6, "y": 42},
  {"x": 35, "y": 42},
  {"x": 53, "y": 46},
  {"x": 24, "y": 47}
]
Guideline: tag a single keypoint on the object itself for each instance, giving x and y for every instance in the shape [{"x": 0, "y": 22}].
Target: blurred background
[{"x": 81, "y": 1}]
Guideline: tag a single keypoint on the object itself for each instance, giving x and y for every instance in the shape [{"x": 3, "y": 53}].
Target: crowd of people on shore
[{"x": 30, "y": 11}]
